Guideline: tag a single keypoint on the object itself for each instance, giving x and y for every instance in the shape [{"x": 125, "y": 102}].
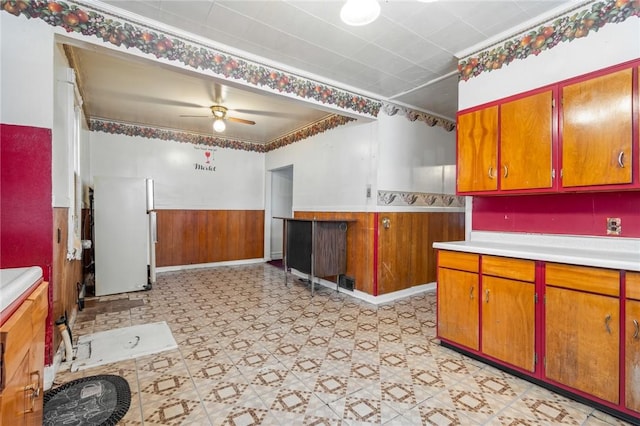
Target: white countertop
[
  {"x": 14, "y": 282},
  {"x": 614, "y": 253}
]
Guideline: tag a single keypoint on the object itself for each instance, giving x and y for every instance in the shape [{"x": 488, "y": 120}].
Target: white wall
[
  {"x": 414, "y": 157},
  {"x": 611, "y": 45},
  {"x": 62, "y": 129},
  {"x": 236, "y": 183},
  {"x": 26, "y": 72},
  {"x": 331, "y": 170}
]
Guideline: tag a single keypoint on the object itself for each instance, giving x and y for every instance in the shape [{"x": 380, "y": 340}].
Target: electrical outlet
[
  {"x": 368, "y": 191},
  {"x": 614, "y": 226}
]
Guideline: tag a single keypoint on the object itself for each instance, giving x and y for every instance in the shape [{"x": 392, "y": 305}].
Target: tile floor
[{"x": 252, "y": 351}]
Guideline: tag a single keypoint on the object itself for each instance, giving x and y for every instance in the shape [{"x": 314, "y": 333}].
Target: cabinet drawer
[
  {"x": 15, "y": 337},
  {"x": 633, "y": 285},
  {"x": 457, "y": 260},
  {"x": 504, "y": 267},
  {"x": 40, "y": 303},
  {"x": 584, "y": 278}
]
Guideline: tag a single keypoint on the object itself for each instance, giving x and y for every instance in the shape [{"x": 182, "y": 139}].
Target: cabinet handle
[
  {"x": 471, "y": 293},
  {"x": 506, "y": 171},
  {"x": 34, "y": 390},
  {"x": 636, "y": 332},
  {"x": 486, "y": 296},
  {"x": 491, "y": 176},
  {"x": 621, "y": 160},
  {"x": 607, "y": 320}
]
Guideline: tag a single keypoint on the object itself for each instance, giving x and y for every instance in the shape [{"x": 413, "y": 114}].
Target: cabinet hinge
[
  {"x": 561, "y": 173},
  {"x": 544, "y": 300},
  {"x": 553, "y": 173},
  {"x": 535, "y": 298},
  {"x": 553, "y": 103},
  {"x": 535, "y": 358},
  {"x": 544, "y": 361}
]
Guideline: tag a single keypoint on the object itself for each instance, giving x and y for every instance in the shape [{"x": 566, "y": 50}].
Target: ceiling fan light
[
  {"x": 218, "y": 125},
  {"x": 218, "y": 111},
  {"x": 360, "y": 12}
]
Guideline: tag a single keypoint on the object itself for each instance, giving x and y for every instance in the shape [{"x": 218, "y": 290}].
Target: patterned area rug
[{"x": 94, "y": 400}]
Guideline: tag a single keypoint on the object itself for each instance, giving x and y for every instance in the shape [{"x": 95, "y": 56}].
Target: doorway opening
[{"x": 281, "y": 206}]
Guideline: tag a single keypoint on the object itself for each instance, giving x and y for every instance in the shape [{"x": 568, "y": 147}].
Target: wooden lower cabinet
[
  {"x": 587, "y": 331},
  {"x": 14, "y": 400},
  {"x": 582, "y": 332},
  {"x": 632, "y": 343},
  {"x": 508, "y": 321},
  {"x": 22, "y": 338},
  {"x": 632, "y": 355},
  {"x": 500, "y": 306},
  {"x": 458, "y": 311}
]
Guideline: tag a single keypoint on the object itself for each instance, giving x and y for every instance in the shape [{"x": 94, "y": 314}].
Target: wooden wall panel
[
  {"x": 360, "y": 242},
  {"x": 395, "y": 257},
  {"x": 66, "y": 275},
  {"x": 188, "y": 237},
  {"x": 405, "y": 250}
]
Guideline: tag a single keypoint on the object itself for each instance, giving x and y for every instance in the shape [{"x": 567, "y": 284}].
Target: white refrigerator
[{"x": 124, "y": 234}]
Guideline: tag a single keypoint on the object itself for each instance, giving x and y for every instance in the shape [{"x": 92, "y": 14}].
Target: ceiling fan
[{"x": 219, "y": 113}]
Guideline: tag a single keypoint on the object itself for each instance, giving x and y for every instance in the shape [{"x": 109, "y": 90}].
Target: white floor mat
[{"x": 122, "y": 343}]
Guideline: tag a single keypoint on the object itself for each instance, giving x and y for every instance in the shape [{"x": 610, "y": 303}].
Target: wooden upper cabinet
[
  {"x": 478, "y": 150},
  {"x": 526, "y": 142},
  {"x": 597, "y": 130}
]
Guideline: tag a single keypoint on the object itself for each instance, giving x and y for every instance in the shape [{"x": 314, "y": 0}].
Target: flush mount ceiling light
[
  {"x": 218, "y": 125},
  {"x": 359, "y": 12}
]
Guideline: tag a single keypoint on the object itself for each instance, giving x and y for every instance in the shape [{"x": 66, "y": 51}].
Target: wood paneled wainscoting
[
  {"x": 406, "y": 256},
  {"x": 398, "y": 257},
  {"x": 66, "y": 276},
  {"x": 188, "y": 237},
  {"x": 360, "y": 243}
]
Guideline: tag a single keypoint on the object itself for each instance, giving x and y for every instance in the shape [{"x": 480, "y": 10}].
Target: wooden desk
[{"x": 315, "y": 247}]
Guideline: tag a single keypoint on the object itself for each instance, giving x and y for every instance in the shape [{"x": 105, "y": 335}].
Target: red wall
[
  {"x": 26, "y": 212},
  {"x": 568, "y": 213}
]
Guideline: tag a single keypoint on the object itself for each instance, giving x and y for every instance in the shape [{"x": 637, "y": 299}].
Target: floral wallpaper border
[
  {"x": 413, "y": 115},
  {"x": 566, "y": 28},
  {"x": 313, "y": 129},
  {"x": 92, "y": 22},
  {"x": 117, "y": 128},
  {"x": 419, "y": 199}
]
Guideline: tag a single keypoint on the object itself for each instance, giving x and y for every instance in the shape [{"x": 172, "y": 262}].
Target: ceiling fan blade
[
  {"x": 240, "y": 120},
  {"x": 197, "y": 116},
  {"x": 149, "y": 99},
  {"x": 273, "y": 114}
]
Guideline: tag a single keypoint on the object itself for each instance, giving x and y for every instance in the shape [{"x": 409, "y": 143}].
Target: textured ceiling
[{"x": 407, "y": 56}]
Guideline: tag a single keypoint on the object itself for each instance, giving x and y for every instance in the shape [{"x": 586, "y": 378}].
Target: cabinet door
[
  {"x": 508, "y": 321},
  {"x": 478, "y": 150},
  {"x": 15, "y": 402},
  {"x": 35, "y": 397},
  {"x": 458, "y": 308},
  {"x": 597, "y": 131},
  {"x": 632, "y": 355},
  {"x": 583, "y": 341},
  {"x": 526, "y": 142}
]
